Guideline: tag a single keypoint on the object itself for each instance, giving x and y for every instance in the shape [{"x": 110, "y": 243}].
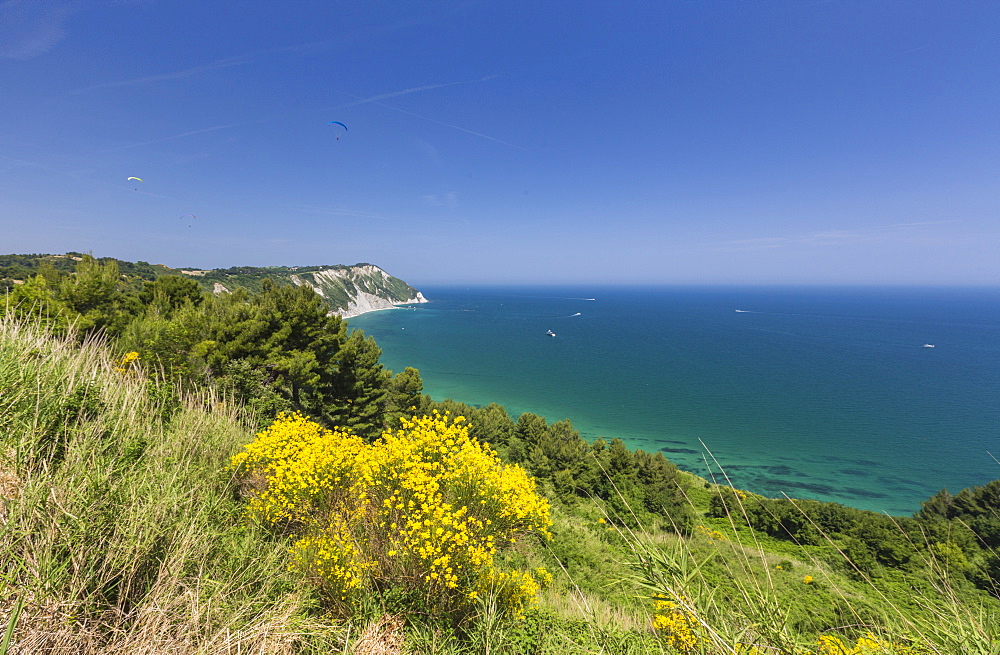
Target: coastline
[
  {"x": 719, "y": 459},
  {"x": 821, "y": 393},
  {"x": 366, "y": 303}
]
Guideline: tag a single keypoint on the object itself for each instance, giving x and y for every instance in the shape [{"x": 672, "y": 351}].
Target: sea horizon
[{"x": 873, "y": 396}]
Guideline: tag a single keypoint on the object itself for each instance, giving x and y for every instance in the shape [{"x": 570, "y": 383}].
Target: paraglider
[
  {"x": 340, "y": 124},
  {"x": 137, "y": 179},
  {"x": 190, "y": 218}
]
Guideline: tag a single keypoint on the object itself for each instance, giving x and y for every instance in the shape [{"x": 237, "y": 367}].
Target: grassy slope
[{"x": 121, "y": 532}]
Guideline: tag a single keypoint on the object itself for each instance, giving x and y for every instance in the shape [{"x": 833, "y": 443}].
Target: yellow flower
[
  {"x": 124, "y": 363},
  {"x": 436, "y": 502}
]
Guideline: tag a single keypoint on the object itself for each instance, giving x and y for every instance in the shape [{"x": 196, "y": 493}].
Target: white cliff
[
  {"x": 366, "y": 302},
  {"x": 356, "y": 290}
]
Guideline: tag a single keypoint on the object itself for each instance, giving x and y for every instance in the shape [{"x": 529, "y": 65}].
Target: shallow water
[{"x": 825, "y": 393}]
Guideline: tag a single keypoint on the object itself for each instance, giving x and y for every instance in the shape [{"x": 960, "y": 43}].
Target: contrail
[
  {"x": 171, "y": 138},
  {"x": 176, "y": 75},
  {"x": 394, "y": 94},
  {"x": 373, "y": 101},
  {"x": 416, "y": 89}
]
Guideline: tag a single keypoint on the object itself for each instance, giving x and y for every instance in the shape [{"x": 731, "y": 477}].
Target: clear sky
[{"x": 666, "y": 141}]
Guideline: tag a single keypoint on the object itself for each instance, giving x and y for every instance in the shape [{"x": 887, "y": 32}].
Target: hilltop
[{"x": 348, "y": 290}]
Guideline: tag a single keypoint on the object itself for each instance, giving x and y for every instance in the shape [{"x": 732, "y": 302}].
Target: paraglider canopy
[
  {"x": 135, "y": 178},
  {"x": 340, "y": 124}
]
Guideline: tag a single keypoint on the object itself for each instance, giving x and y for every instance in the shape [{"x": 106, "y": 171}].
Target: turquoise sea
[{"x": 825, "y": 393}]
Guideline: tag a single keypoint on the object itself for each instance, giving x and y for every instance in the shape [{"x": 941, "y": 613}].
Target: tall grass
[
  {"x": 119, "y": 531},
  {"x": 730, "y": 593}
]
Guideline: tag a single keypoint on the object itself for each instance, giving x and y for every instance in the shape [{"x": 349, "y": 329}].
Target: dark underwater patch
[
  {"x": 781, "y": 469},
  {"x": 912, "y": 484},
  {"x": 855, "y": 472},
  {"x": 802, "y": 486},
  {"x": 865, "y": 493},
  {"x": 825, "y": 489}
]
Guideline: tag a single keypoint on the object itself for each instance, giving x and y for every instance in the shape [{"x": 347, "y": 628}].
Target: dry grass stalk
[
  {"x": 180, "y": 629},
  {"x": 383, "y": 636}
]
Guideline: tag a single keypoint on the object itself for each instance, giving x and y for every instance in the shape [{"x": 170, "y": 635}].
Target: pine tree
[
  {"x": 403, "y": 395},
  {"x": 96, "y": 292},
  {"x": 358, "y": 387}
]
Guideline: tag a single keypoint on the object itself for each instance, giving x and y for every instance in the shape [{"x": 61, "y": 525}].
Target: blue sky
[{"x": 560, "y": 141}]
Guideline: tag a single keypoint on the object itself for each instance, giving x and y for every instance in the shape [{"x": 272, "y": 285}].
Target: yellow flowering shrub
[
  {"x": 125, "y": 362},
  {"x": 713, "y": 535},
  {"x": 424, "y": 508},
  {"x": 676, "y": 625},
  {"x": 865, "y": 645},
  {"x": 679, "y": 628},
  {"x": 833, "y": 645},
  {"x": 753, "y": 649}
]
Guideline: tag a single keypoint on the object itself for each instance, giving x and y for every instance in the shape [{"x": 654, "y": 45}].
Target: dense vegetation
[
  {"x": 131, "y": 522},
  {"x": 273, "y": 350},
  {"x": 339, "y": 284},
  {"x": 338, "y": 291},
  {"x": 23, "y": 267},
  {"x": 957, "y": 533}
]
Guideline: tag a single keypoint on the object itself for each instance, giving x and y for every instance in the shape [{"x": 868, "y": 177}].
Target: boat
[
  {"x": 742, "y": 311},
  {"x": 928, "y": 345},
  {"x": 550, "y": 333}
]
